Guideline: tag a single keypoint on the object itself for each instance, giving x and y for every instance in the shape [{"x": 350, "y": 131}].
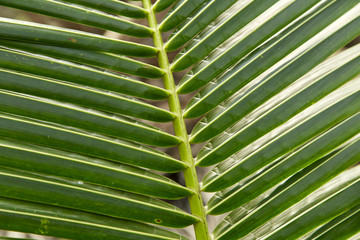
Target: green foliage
[{"x": 277, "y": 93}]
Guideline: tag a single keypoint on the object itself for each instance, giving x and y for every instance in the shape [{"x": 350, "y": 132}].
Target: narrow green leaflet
[
  {"x": 60, "y": 192},
  {"x": 280, "y": 204},
  {"x": 344, "y": 230},
  {"x": 281, "y": 75},
  {"x": 33, "y": 32},
  {"x": 161, "y": 5},
  {"x": 89, "y": 122},
  {"x": 252, "y": 35},
  {"x": 316, "y": 84},
  {"x": 323, "y": 115},
  {"x": 196, "y": 23},
  {"x": 69, "y": 139},
  {"x": 179, "y": 13},
  {"x": 79, "y": 74},
  {"x": 262, "y": 199},
  {"x": 87, "y": 119},
  {"x": 80, "y": 15},
  {"x": 320, "y": 213},
  {"x": 264, "y": 57},
  {"x": 227, "y": 23},
  {"x": 113, "y": 6},
  {"x": 54, "y": 162},
  {"x": 81, "y": 95},
  {"x": 229, "y": 199},
  {"x": 55, "y": 221},
  {"x": 98, "y": 59},
  {"x": 341, "y": 227}
]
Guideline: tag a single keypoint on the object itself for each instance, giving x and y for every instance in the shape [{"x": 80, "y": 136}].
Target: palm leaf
[{"x": 82, "y": 146}]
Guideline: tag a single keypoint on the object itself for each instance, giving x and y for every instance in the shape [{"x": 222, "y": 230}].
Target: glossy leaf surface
[
  {"x": 80, "y": 15},
  {"x": 113, "y": 6},
  {"x": 58, "y": 163},
  {"x": 14, "y": 30},
  {"x": 98, "y": 59},
  {"x": 307, "y": 90},
  {"x": 94, "y": 142},
  {"x": 268, "y": 84},
  {"x": 60, "y": 222}
]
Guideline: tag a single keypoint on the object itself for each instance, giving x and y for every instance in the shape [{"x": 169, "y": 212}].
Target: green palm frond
[{"x": 84, "y": 147}]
